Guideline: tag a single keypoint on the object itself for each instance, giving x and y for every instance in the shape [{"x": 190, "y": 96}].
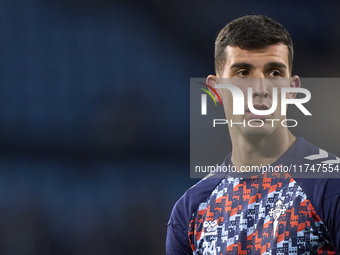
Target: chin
[{"x": 258, "y": 132}]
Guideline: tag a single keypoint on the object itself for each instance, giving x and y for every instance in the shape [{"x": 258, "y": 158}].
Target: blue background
[{"x": 94, "y": 113}]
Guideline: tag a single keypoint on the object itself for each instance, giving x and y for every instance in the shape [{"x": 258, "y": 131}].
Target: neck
[{"x": 257, "y": 151}]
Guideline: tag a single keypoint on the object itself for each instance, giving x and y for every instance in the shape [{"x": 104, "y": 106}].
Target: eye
[
  {"x": 274, "y": 74},
  {"x": 243, "y": 73}
]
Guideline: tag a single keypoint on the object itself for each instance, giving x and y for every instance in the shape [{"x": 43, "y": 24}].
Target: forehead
[{"x": 272, "y": 53}]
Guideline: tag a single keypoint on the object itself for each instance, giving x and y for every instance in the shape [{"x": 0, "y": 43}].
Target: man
[{"x": 249, "y": 212}]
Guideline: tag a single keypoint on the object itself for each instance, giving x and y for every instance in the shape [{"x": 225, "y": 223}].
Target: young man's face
[{"x": 261, "y": 70}]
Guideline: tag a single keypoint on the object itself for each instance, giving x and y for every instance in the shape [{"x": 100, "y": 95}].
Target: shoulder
[
  {"x": 304, "y": 152},
  {"x": 305, "y": 160},
  {"x": 186, "y": 205},
  {"x": 314, "y": 169},
  {"x": 177, "y": 241},
  {"x": 318, "y": 174}
]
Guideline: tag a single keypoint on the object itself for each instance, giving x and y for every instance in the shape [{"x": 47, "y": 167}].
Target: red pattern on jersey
[{"x": 236, "y": 202}]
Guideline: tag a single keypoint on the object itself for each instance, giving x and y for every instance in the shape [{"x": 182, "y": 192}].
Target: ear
[
  {"x": 212, "y": 80},
  {"x": 294, "y": 83}
]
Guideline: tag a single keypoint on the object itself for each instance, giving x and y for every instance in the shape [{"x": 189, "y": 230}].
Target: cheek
[
  {"x": 227, "y": 101},
  {"x": 227, "y": 98}
]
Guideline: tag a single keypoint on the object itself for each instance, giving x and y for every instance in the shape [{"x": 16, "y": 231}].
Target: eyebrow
[
  {"x": 250, "y": 66},
  {"x": 275, "y": 64},
  {"x": 242, "y": 65}
]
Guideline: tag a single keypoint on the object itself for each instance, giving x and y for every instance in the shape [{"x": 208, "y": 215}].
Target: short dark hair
[{"x": 251, "y": 32}]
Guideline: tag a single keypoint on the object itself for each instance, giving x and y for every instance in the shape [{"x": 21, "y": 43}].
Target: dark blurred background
[{"x": 94, "y": 116}]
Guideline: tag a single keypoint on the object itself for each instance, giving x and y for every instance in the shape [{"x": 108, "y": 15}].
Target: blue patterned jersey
[{"x": 277, "y": 212}]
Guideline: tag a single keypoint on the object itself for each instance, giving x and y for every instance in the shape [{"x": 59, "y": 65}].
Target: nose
[{"x": 260, "y": 88}]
